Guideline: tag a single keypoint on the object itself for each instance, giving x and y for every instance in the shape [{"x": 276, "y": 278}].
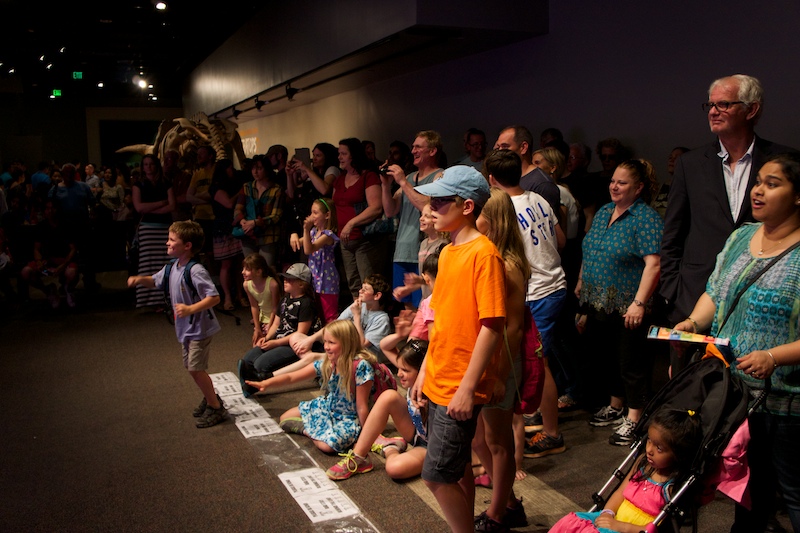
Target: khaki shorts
[{"x": 195, "y": 354}]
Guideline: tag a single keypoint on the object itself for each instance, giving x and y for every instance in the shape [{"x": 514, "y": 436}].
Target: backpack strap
[
  {"x": 167, "y": 272},
  {"x": 187, "y": 278}
]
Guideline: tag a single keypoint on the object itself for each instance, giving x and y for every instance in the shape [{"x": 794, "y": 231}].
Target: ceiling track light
[
  {"x": 236, "y": 112},
  {"x": 260, "y": 103},
  {"x": 291, "y": 91}
]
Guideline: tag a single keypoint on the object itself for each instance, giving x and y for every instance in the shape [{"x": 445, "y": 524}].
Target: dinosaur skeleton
[{"x": 186, "y": 135}]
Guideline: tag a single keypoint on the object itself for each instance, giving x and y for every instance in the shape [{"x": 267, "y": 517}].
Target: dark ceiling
[{"x": 111, "y": 42}]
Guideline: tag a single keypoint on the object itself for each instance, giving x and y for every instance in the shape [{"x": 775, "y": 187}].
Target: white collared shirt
[{"x": 736, "y": 179}]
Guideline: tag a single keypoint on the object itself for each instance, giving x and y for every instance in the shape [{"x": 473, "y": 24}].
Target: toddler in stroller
[{"x": 683, "y": 432}]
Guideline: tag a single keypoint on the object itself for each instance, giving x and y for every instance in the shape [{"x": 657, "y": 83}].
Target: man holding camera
[{"x": 428, "y": 153}]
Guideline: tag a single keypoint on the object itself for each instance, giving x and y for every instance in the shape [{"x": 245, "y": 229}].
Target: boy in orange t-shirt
[{"x": 469, "y": 305}]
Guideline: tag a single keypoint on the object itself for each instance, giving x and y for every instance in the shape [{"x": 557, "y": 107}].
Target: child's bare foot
[{"x": 520, "y": 475}]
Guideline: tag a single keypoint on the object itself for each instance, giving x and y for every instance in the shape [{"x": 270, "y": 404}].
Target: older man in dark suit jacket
[{"x": 710, "y": 193}]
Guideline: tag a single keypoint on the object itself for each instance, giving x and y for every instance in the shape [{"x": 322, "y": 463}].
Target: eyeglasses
[
  {"x": 722, "y": 105},
  {"x": 441, "y": 201}
]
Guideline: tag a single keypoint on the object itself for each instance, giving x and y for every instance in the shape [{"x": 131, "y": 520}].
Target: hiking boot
[
  {"x": 623, "y": 435},
  {"x": 293, "y": 425},
  {"x": 483, "y": 522},
  {"x": 515, "y": 516},
  {"x": 543, "y": 444},
  {"x": 349, "y": 465},
  {"x": 212, "y": 417},
  {"x": 246, "y": 373},
  {"x": 606, "y": 416},
  {"x": 533, "y": 423},
  {"x": 382, "y": 443},
  {"x": 200, "y": 409}
]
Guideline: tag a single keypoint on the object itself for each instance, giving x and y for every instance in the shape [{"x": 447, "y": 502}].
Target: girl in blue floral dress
[
  {"x": 319, "y": 243},
  {"x": 332, "y": 421}
]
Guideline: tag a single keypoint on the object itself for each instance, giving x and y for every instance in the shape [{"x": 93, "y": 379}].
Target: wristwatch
[{"x": 638, "y": 302}]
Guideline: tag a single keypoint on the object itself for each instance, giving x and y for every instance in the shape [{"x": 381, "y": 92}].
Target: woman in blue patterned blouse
[
  {"x": 764, "y": 328},
  {"x": 620, "y": 271}
]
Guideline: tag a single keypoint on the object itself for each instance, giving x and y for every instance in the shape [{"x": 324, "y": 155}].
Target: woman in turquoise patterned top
[
  {"x": 620, "y": 271},
  {"x": 764, "y": 328}
]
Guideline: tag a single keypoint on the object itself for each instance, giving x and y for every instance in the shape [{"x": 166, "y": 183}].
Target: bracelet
[
  {"x": 694, "y": 323},
  {"x": 774, "y": 362},
  {"x": 609, "y": 511}
]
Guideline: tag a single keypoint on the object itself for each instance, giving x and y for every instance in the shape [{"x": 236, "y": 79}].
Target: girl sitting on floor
[
  {"x": 263, "y": 293},
  {"x": 409, "y": 420},
  {"x": 332, "y": 421},
  {"x": 672, "y": 441}
]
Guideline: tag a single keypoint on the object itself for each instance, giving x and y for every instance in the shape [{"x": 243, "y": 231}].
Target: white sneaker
[{"x": 623, "y": 435}]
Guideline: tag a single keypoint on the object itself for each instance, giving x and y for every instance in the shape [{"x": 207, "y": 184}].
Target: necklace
[{"x": 762, "y": 251}]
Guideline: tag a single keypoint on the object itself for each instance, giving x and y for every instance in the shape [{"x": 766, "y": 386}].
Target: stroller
[{"x": 721, "y": 399}]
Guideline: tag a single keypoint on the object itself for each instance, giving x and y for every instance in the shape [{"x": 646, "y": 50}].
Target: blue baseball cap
[{"x": 459, "y": 180}]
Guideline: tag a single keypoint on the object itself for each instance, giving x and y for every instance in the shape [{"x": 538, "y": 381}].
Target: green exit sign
[
  {"x": 56, "y": 92},
  {"x": 77, "y": 75}
]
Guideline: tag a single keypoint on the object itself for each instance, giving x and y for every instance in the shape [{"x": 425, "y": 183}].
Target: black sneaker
[
  {"x": 606, "y": 416},
  {"x": 246, "y": 373},
  {"x": 212, "y": 417},
  {"x": 543, "y": 444},
  {"x": 533, "y": 423},
  {"x": 483, "y": 523},
  {"x": 515, "y": 516}
]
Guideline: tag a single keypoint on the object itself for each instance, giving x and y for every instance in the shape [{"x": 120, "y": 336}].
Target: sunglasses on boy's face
[{"x": 441, "y": 201}]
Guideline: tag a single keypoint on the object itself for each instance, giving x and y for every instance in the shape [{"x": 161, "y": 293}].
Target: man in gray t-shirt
[{"x": 408, "y": 203}]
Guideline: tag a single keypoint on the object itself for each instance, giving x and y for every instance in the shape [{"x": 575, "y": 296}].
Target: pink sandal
[{"x": 483, "y": 481}]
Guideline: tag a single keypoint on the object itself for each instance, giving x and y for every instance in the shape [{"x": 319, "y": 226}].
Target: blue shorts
[
  {"x": 398, "y": 274},
  {"x": 449, "y": 445},
  {"x": 545, "y": 312}
]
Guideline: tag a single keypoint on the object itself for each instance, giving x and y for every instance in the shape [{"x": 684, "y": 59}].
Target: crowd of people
[{"x": 347, "y": 262}]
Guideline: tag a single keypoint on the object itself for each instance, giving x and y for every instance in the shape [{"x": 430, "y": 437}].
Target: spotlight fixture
[
  {"x": 260, "y": 103},
  {"x": 236, "y": 113},
  {"x": 100, "y": 84},
  {"x": 142, "y": 84},
  {"x": 161, "y": 6},
  {"x": 291, "y": 91},
  {"x": 62, "y": 49}
]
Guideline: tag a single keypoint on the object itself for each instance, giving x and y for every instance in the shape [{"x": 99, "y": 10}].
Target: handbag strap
[
  {"x": 511, "y": 362},
  {"x": 753, "y": 280}
]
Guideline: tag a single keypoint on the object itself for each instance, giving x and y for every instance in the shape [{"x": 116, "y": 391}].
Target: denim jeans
[{"x": 270, "y": 360}]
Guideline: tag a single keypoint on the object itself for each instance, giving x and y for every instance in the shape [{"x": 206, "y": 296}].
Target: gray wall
[{"x": 634, "y": 70}]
